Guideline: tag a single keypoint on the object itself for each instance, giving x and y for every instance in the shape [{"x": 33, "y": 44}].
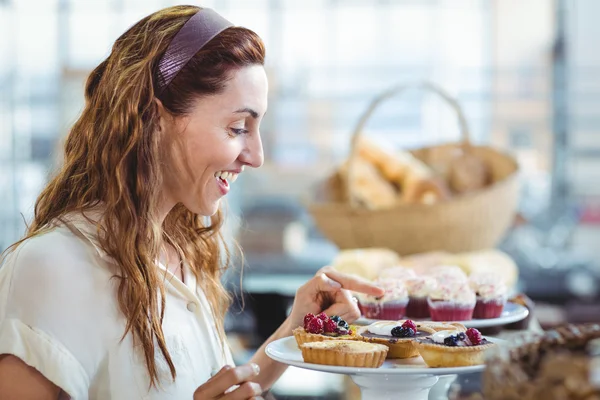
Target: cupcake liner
[
  {"x": 486, "y": 309},
  {"x": 389, "y": 310},
  {"x": 417, "y": 307},
  {"x": 450, "y": 311}
]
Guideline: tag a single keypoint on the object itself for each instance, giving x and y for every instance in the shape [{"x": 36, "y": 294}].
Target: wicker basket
[{"x": 469, "y": 222}]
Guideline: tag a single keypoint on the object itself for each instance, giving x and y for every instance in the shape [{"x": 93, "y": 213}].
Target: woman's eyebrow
[{"x": 250, "y": 111}]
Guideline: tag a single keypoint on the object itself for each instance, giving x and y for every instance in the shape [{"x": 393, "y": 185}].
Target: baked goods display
[
  {"x": 381, "y": 178},
  {"x": 441, "y": 286},
  {"x": 368, "y": 346},
  {"x": 344, "y": 353},
  {"x": 318, "y": 328},
  {"x": 445, "y": 349},
  {"x": 560, "y": 364}
]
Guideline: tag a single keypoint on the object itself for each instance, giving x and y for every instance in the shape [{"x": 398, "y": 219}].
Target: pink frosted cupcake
[
  {"x": 390, "y": 306},
  {"x": 491, "y": 295},
  {"x": 452, "y": 301},
  {"x": 419, "y": 288}
]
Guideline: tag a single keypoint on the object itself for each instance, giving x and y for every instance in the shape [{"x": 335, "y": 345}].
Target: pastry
[
  {"x": 468, "y": 173},
  {"x": 446, "y": 349},
  {"x": 415, "y": 180},
  {"x": 526, "y": 302},
  {"x": 488, "y": 261},
  {"x": 366, "y": 263},
  {"x": 452, "y": 301},
  {"x": 560, "y": 364},
  {"x": 318, "y": 328},
  {"x": 344, "y": 353},
  {"x": 399, "y": 336},
  {"x": 491, "y": 295},
  {"x": 390, "y": 306},
  {"x": 368, "y": 186}
]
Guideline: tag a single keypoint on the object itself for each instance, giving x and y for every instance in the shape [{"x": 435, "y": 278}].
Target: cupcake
[
  {"x": 344, "y": 353},
  {"x": 397, "y": 335},
  {"x": 452, "y": 301},
  {"x": 419, "y": 288},
  {"x": 491, "y": 295},
  {"x": 318, "y": 328},
  {"x": 390, "y": 306},
  {"x": 446, "y": 349}
]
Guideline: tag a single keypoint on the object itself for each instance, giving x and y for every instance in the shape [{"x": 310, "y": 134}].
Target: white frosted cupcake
[
  {"x": 491, "y": 294},
  {"x": 452, "y": 301},
  {"x": 419, "y": 288},
  {"x": 390, "y": 306}
]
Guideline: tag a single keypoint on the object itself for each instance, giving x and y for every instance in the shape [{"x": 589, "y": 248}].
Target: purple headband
[{"x": 195, "y": 33}]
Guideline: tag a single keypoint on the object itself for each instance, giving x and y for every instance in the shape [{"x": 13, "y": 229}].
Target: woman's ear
[{"x": 163, "y": 115}]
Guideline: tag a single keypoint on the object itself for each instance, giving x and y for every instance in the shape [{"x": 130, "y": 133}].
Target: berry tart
[
  {"x": 318, "y": 328},
  {"x": 491, "y": 295},
  {"x": 391, "y": 306},
  {"x": 399, "y": 336},
  {"x": 344, "y": 353},
  {"x": 446, "y": 349}
]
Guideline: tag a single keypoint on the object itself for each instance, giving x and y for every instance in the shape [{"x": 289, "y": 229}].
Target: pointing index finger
[{"x": 354, "y": 283}]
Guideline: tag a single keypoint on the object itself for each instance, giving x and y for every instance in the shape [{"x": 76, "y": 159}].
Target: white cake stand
[{"x": 410, "y": 378}]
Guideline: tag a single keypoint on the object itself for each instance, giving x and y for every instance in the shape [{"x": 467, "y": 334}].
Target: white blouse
[{"x": 59, "y": 314}]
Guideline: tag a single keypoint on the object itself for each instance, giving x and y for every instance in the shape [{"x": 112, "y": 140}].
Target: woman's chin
[{"x": 207, "y": 209}]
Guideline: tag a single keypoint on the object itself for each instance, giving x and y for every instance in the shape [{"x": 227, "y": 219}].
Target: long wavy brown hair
[{"x": 112, "y": 160}]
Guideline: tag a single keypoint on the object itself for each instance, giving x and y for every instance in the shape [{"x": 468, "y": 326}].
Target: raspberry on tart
[
  {"x": 320, "y": 327},
  {"x": 453, "y": 348}
]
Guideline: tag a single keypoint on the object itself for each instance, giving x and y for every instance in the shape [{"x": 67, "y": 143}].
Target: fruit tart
[
  {"x": 345, "y": 353},
  {"x": 399, "y": 336},
  {"x": 318, "y": 328},
  {"x": 453, "y": 348}
]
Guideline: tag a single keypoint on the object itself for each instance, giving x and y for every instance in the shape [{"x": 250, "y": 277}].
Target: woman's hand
[
  {"x": 329, "y": 292},
  {"x": 231, "y": 383}
]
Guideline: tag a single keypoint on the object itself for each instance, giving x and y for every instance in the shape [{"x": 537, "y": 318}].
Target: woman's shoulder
[
  {"x": 53, "y": 268},
  {"x": 53, "y": 253},
  {"x": 57, "y": 301}
]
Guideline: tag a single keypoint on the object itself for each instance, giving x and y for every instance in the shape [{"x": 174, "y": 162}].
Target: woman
[{"x": 115, "y": 291}]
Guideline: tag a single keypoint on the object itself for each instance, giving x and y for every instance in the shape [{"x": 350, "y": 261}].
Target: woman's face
[{"x": 207, "y": 149}]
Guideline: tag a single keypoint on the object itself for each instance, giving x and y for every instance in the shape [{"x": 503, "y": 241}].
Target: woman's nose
[{"x": 253, "y": 155}]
